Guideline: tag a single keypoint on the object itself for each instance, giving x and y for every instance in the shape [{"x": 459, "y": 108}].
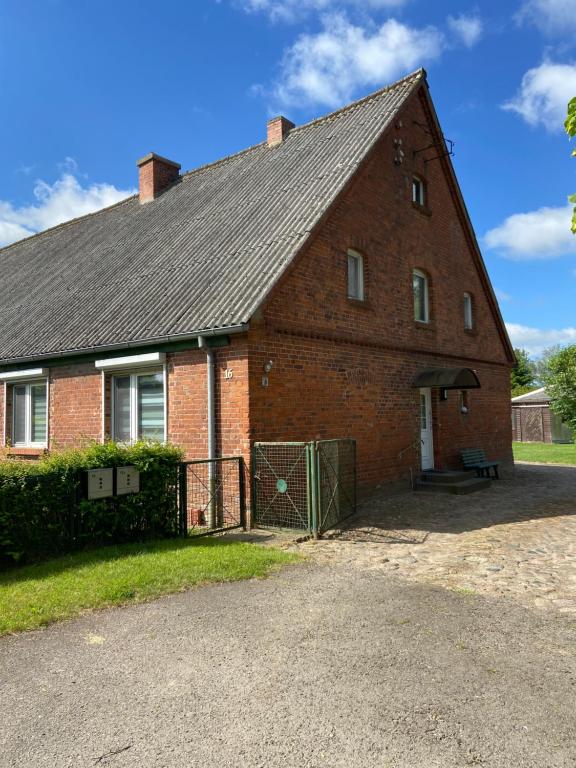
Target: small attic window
[
  {"x": 418, "y": 191},
  {"x": 421, "y": 297},
  {"x": 355, "y": 276},
  {"x": 468, "y": 313}
]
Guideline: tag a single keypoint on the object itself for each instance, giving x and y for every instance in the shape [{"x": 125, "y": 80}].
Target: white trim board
[
  {"x": 30, "y": 373},
  {"x": 133, "y": 361}
]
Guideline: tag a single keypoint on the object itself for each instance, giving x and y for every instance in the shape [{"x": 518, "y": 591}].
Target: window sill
[
  {"x": 360, "y": 303},
  {"x": 421, "y": 325},
  {"x": 471, "y": 331},
  {"x": 424, "y": 210},
  {"x": 24, "y": 450}
]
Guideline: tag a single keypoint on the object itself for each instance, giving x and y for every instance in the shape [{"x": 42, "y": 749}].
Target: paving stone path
[{"x": 517, "y": 538}]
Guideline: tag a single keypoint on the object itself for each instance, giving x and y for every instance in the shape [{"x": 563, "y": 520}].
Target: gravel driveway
[{"x": 323, "y": 665}]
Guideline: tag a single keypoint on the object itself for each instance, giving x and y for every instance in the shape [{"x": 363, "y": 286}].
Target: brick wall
[
  {"x": 75, "y": 402},
  {"x": 344, "y": 368},
  {"x": 187, "y": 405},
  {"x": 75, "y": 410},
  {"x": 318, "y": 389}
]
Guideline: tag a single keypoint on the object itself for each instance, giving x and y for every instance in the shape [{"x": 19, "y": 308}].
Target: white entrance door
[{"x": 426, "y": 438}]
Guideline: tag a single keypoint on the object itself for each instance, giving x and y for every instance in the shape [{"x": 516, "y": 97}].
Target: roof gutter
[{"x": 225, "y": 331}]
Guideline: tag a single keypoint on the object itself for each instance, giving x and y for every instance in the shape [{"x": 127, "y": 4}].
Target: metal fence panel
[
  {"x": 336, "y": 473},
  {"x": 212, "y": 495},
  {"x": 304, "y": 486},
  {"x": 281, "y": 488}
]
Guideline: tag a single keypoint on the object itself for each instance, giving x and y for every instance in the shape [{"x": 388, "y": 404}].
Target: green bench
[{"x": 475, "y": 458}]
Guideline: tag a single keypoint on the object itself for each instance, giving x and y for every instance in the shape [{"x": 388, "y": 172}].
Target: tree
[
  {"x": 522, "y": 375},
  {"x": 541, "y": 365},
  {"x": 570, "y": 125},
  {"x": 560, "y": 381}
]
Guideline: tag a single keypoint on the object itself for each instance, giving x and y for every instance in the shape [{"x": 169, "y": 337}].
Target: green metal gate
[
  {"x": 211, "y": 495},
  {"x": 304, "y": 486},
  {"x": 336, "y": 479}
]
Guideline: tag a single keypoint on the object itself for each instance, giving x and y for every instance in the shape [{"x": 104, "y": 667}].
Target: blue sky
[{"x": 89, "y": 87}]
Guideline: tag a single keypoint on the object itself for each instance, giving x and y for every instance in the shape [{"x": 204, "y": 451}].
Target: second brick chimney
[
  {"x": 278, "y": 130},
  {"x": 156, "y": 174}
]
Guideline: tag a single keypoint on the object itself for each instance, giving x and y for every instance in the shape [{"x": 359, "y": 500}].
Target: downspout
[{"x": 211, "y": 411}]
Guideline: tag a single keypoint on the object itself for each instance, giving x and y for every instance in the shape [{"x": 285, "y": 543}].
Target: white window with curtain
[
  {"x": 30, "y": 414},
  {"x": 468, "y": 314},
  {"x": 138, "y": 406},
  {"x": 355, "y": 276},
  {"x": 421, "y": 299}
]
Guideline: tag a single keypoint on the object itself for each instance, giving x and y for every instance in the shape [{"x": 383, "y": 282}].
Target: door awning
[{"x": 447, "y": 378}]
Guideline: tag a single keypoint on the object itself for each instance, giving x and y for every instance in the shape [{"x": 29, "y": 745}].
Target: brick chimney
[
  {"x": 278, "y": 130},
  {"x": 156, "y": 174}
]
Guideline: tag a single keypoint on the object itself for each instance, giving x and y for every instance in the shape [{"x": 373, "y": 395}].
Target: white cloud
[
  {"x": 541, "y": 234},
  {"x": 468, "y": 28},
  {"x": 65, "y": 199},
  {"x": 536, "y": 340},
  {"x": 326, "y": 68},
  {"x": 544, "y": 94},
  {"x": 502, "y": 295},
  {"x": 551, "y": 16},
  {"x": 291, "y": 10}
]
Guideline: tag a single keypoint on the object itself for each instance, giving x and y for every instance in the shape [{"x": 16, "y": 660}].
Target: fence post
[
  {"x": 314, "y": 483},
  {"x": 253, "y": 488},
  {"x": 241, "y": 470},
  {"x": 183, "y": 498},
  {"x": 355, "y": 477}
]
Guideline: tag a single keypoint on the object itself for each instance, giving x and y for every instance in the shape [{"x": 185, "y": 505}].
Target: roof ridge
[
  {"x": 418, "y": 74},
  {"x": 67, "y": 223}
]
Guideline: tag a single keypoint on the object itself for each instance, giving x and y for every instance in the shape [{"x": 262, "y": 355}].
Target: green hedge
[{"x": 43, "y": 512}]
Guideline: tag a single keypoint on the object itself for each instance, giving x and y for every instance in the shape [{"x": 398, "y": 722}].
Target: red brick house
[{"x": 328, "y": 277}]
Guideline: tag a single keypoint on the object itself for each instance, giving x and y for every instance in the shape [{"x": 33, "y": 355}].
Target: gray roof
[
  {"x": 203, "y": 255},
  {"x": 536, "y": 396}
]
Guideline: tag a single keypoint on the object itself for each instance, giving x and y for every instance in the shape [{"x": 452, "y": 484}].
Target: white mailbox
[
  {"x": 100, "y": 483},
  {"x": 127, "y": 480}
]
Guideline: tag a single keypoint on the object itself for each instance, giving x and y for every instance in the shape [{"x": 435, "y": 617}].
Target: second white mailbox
[{"x": 127, "y": 480}]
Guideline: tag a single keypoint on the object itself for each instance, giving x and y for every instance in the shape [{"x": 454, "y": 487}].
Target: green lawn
[
  {"x": 36, "y": 595},
  {"x": 549, "y": 453}
]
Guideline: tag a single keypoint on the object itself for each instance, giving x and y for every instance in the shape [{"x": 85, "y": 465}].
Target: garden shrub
[{"x": 43, "y": 511}]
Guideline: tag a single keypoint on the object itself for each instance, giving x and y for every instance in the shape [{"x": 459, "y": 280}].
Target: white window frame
[
  {"x": 426, "y": 302},
  {"x": 134, "y": 437},
  {"x": 418, "y": 191},
  {"x": 358, "y": 258},
  {"x": 27, "y": 384},
  {"x": 468, "y": 311}
]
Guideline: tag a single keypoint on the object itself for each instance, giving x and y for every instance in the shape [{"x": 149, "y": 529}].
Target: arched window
[
  {"x": 418, "y": 191},
  {"x": 421, "y": 299},
  {"x": 355, "y": 276},
  {"x": 468, "y": 313}
]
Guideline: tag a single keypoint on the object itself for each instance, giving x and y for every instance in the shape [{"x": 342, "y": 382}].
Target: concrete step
[
  {"x": 468, "y": 485},
  {"x": 447, "y": 476}
]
